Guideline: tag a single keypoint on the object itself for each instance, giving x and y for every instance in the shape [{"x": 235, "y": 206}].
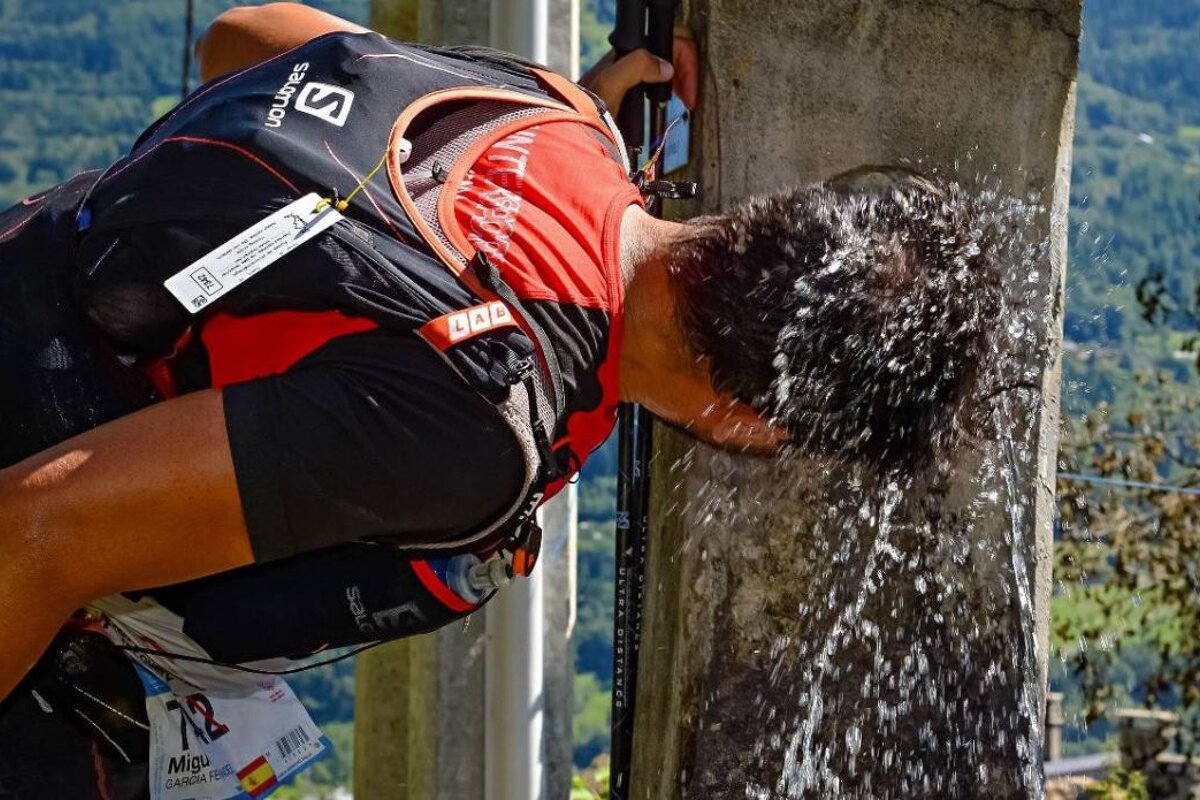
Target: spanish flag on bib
[{"x": 257, "y": 777}]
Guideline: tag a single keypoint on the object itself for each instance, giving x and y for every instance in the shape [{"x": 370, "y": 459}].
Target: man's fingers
[
  {"x": 589, "y": 78},
  {"x": 641, "y": 66},
  {"x": 687, "y": 69},
  {"x": 636, "y": 68},
  {"x": 613, "y": 79}
]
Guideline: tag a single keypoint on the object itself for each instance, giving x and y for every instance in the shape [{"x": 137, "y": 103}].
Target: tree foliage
[
  {"x": 1128, "y": 557},
  {"x": 79, "y": 80},
  {"x": 1134, "y": 187},
  {"x": 1125, "y": 622}
]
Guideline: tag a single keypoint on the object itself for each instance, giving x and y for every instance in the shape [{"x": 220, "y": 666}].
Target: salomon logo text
[{"x": 279, "y": 103}]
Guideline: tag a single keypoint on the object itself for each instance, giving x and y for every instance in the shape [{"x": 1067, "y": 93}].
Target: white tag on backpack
[{"x": 251, "y": 251}]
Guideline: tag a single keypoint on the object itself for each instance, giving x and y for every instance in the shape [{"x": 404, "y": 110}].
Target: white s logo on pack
[{"x": 330, "y": 103}]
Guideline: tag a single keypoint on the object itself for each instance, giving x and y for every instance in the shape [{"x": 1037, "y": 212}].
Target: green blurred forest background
[{"x": 79, "y": 80}]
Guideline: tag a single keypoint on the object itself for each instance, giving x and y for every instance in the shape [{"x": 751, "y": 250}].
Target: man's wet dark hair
[{"x": 856, "y": 316}]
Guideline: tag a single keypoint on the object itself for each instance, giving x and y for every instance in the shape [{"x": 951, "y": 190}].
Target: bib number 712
[{"x": 212, "y": 729}]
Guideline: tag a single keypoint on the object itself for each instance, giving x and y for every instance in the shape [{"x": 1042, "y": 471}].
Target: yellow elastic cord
[
  {"x": 649, "y": 169},
  {"x": 342, "y": 205}
]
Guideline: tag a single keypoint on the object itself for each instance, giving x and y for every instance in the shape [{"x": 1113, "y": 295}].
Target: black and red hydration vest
[
  {"x": 241, "y": 148},
  {"x": 319, "y": 119}
]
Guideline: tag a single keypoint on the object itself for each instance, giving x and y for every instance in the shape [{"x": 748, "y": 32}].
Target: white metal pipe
[
  {"x": 573, "y": 47},
  {"x": 513, "y": 752}
]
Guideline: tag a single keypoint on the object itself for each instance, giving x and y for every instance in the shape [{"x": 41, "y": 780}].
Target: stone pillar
[
  {"x": 449, "y": 22},
  {"x": 399, "y": 19},
  {"x": 418, "y": 717},
  {"x": 420, "y": 702},
  {"x": 560, "y": 552},
  {"x": 564, "y": 37},
  {"x": 454, "y": 22},
  {"x": 809, "y": 632},
  {"x": 1054, "y": 726}
]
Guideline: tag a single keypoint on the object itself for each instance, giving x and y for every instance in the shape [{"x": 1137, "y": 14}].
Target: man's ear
[{"x": 743, "y": 428}]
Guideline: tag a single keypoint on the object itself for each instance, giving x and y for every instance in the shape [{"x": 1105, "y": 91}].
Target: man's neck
[
  {"x": 643, "y": 240},
  {"x": 652, "y": 342},
  {"x": 658, "y": 368}
]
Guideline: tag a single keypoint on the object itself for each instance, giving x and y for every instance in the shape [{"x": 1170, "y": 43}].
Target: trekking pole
[
  {"x": 630, "y": 581},
  {"x": 629, "y": 34},
  {"x": 636, "y": 425},
  {"x": 660, "y": 39}
]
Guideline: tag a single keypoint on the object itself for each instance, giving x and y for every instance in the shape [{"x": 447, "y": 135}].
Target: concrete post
[
  {"x": 418, "y": 718},
  {"x": 420, "y": 703},
  {"x": 399, "y": 19},
  {"x": 806, "y": 636},
  {"x": 455, "y": 22},
  {"x": 1054, "y": 726},
  {"x": 563, "y": 55}
]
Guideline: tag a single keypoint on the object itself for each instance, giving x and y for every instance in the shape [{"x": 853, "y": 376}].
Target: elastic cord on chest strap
[{"x": 521, "y": 551}]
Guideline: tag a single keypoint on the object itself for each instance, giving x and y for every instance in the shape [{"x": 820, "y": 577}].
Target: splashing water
[
  {"x": 800, "y": 775},
  {"x": 866, "y": 633}
]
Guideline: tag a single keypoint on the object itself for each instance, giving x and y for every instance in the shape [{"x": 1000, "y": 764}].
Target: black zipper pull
[
  {"x": 485, "y": 270},
  {"x": 672, "y": 190},
  {"x": 518, "y": 371}
]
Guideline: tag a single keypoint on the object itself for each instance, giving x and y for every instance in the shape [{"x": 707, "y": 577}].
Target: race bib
[
  {"x": 208, "y": 747},
  {"x": 215, "y": 733}
]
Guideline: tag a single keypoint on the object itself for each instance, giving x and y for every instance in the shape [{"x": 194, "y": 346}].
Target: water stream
[{"x": 875, "y": 635}]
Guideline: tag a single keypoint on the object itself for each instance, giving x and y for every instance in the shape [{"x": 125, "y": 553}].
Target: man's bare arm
[
  {"x": 145, "y": 500},
  {"x": 247, "y": 35}
]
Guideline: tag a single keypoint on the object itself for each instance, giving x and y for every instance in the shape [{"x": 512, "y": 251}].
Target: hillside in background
[
  {"x": 1135, "y": 191},
  {"x": 79, "y": 80}
]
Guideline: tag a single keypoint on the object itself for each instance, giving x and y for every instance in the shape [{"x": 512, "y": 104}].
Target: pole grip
[
  {"x": 661, "y": 42},
  {"x": 629, "y": 34},
  {"x": 632, "y": 118}
]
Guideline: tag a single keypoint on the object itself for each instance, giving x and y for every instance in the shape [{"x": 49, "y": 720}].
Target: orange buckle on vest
[
  {"x": 523, "y": 563},
  {"x": 526, "y": 548}
]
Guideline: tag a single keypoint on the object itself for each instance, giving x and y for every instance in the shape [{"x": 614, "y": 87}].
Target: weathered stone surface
[
  {"x": 558, "y": 648},
  {"x": 398, "y": 18},
  {"x": 792, "y": 647},
  {"x": 418, "y": 718},
  {"x": 563, "y": 42},
  {"x": 454, "y": 22}
]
